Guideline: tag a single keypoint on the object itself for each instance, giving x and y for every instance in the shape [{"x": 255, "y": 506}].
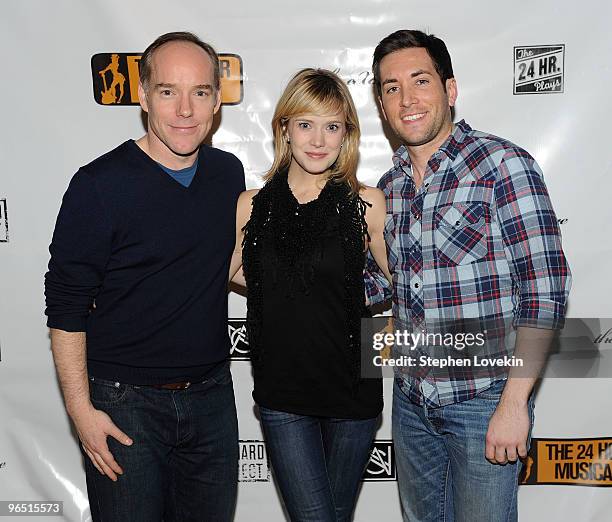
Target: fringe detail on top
[{"x": 296, "y": 231}]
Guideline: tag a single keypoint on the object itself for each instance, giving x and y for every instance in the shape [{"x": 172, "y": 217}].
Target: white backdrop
[{"x": 52, "y": 125}]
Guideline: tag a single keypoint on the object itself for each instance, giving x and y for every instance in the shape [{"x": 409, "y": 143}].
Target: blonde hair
[{"x": 321, "y": 92}]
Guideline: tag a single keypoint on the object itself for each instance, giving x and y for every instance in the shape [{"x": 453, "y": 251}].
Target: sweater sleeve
[{"x": 80, "y": 250}]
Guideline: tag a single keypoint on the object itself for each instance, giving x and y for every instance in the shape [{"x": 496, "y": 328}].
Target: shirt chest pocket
[{"x": 460, "y": 233}]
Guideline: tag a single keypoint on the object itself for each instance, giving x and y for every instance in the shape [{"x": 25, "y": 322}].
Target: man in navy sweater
[{"x": 137, "y": 303}]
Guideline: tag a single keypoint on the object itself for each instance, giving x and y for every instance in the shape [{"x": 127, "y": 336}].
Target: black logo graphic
[
  {"x": 253, "y": 464},
  {"x": 538, "y": 69},
  {"x": 240, "y": 350},
  {"x": 4, "y": 234},
  {"x": 115, "y": 78},
  {"x": 381, "y": 465}
]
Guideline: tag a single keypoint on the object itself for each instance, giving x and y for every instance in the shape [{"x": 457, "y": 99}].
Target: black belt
[{"x": 171, "y": 386}]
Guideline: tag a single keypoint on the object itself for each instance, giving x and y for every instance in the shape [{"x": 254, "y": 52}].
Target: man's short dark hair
[
  {"x": 406, "y": 39},
  {"x": 144, "y": 67}
]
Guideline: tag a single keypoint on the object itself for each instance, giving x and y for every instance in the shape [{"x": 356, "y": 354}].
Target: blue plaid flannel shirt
[{"x": 478, "y": 239}]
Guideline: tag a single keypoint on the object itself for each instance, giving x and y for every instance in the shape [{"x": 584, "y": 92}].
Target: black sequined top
[{"x": 303, "y": 264}]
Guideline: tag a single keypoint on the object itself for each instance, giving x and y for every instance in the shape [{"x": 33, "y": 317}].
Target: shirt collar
[{"x": 451, "y": 147}]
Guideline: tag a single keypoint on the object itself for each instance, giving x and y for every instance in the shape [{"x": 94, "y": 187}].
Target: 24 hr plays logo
[{"x": 538, "y": 69}]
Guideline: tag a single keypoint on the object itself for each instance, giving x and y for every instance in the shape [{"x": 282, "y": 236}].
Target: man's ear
[
  {"x": 451, "y": 91},
  {"x": 218, "y": 102},
  {"x": 382, "y": 108},
  {"x": 142, "y": 97}
]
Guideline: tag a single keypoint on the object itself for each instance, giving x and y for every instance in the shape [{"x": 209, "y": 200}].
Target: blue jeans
[
  {"x": 183, "y": 465},
  {"x": 317, "y": 462},
  {"x": 443, "y": 474}
]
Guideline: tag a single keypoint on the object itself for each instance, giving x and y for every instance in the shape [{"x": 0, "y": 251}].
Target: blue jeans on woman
[
  {"x": 318, "y": 462},
  {"x": 183, "y": 464},
  {"x": 443, "y": 475}
]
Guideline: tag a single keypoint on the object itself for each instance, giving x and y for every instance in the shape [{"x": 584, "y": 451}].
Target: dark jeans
[
  {"x": 317, "y": 462},
  {"x": 183, "y": 465}
]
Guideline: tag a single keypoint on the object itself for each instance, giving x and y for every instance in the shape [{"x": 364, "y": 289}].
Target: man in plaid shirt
[{"x": 471, "y": 234}]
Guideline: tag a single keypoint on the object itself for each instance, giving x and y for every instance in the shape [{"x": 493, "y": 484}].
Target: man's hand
[
  {"x": 509, "y": 426},
  {"x": 508, "y": 431},
  {"x": 93, "y": 427}
]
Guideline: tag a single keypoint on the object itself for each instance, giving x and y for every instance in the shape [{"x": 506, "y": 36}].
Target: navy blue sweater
[{"x": 140, "y": 263}]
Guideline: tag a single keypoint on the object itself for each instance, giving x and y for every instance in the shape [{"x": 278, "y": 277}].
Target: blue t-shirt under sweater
[{"x": 183, "y": 176}]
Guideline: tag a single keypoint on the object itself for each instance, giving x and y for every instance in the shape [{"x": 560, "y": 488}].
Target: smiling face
[
  {"x": 414, "y": 101},
  {"x": 180, "y": 100},
  {"x": 315, "y": 141}
]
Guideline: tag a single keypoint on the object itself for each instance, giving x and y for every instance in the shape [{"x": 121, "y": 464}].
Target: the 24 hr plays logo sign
[{"x": 538, "y": 69}]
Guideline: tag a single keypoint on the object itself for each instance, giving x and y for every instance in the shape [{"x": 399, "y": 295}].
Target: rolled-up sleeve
[
  {"x": 532, "y": 242},
  {"x": 377, "y": 288},
  {"x": 80, "y": 250}
]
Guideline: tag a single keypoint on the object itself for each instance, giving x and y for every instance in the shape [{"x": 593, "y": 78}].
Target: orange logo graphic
[{"x": 109, "y": 94}]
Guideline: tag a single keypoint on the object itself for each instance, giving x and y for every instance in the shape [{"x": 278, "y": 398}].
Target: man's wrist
[
  {"x": 78, "y": 407},
  {"x": 515, "y": 395}
]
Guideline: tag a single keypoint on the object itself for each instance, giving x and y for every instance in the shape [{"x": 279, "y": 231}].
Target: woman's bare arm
[
  {"x": 243, "y": 213},
  {"x": 375, "y": 218}
]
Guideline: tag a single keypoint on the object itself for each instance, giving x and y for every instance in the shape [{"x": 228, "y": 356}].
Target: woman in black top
[{"x": 303, "y": 239}]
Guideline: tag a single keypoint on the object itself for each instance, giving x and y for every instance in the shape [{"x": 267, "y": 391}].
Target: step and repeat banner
[{"x": 536, "y": 73}]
